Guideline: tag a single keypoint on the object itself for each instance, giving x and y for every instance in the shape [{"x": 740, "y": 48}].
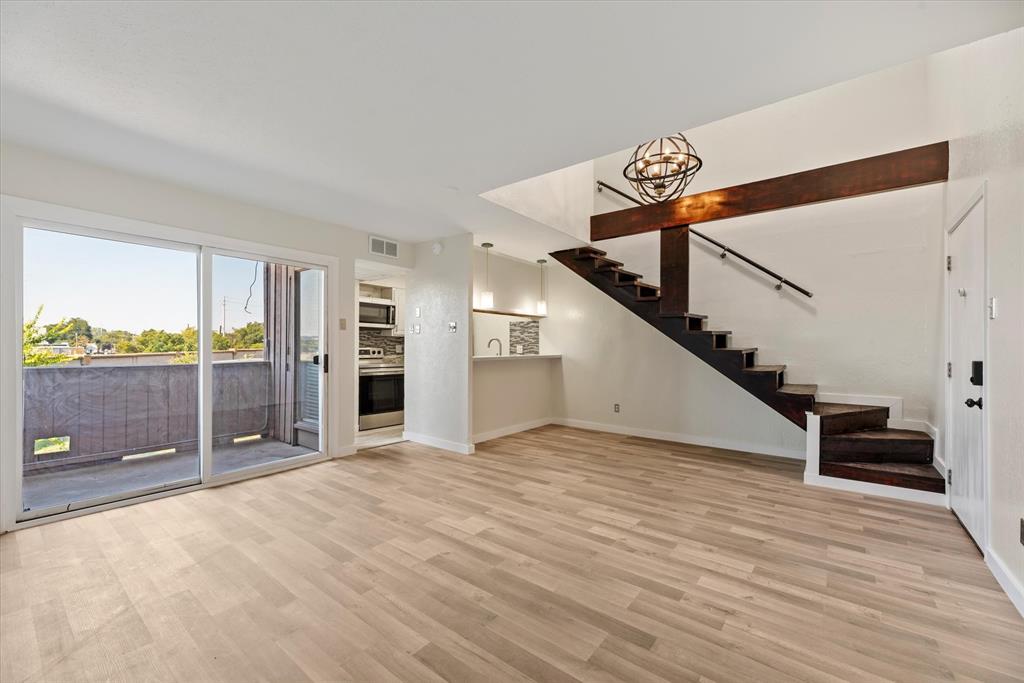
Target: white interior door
[{"x": 966, "y": 453}]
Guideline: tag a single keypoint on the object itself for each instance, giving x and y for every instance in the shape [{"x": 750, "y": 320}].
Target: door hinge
[
  {"x": 949, "y": 477},
  {"x": 949, "y": 370},
  {"x": 949, "y": 263}
]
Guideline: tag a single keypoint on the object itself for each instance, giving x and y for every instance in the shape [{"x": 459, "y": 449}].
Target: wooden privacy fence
[{"x": 110, "y": 412}]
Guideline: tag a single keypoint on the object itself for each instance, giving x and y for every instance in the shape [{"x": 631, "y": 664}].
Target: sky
[{"x": 124, "y": 286}]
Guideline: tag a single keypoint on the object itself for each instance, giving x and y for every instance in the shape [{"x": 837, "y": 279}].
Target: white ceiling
[{"x": 393, "y": 117}]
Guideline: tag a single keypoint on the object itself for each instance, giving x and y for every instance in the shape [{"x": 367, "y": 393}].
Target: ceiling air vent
[{"x": 383, "y": 247}]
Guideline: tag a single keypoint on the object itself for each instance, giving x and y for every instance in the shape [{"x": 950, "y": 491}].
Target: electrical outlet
[
  {"x": 452, "y": 327},
  {"x": 616, "y": 407},
  {"x": 342, "y": 323},
  {"x": 417, "y": 311},
  {"x": 399, "y": 348},
  {"x": 519, "y": 349}
]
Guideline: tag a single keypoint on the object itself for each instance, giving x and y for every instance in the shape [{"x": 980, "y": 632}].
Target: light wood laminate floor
[{"x": 551, "y": 555}]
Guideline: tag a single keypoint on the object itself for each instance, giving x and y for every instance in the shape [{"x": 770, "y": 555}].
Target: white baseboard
[
  {"x": 344, "y": 451},
  {"x": 511, "y": 429},
  {"x": 445, "y": 444},
  {"x": 713, "y": 442},
  {"x": 872, "y": 489},
  {"x": 1007, "y": 581}
]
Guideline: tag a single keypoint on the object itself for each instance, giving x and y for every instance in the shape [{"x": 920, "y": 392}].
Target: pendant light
[
  {"x": 542, "y": 303},
  {"x": 487, "y": 296}
]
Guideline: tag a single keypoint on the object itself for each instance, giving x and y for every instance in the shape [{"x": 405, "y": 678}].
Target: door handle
[{"x": 970, "y": 403}]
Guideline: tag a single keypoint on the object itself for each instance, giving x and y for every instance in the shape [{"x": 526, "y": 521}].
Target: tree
[
  {"x": 250, "y": 336},
  {"x": 110, "y": 340},
  {"x": 74, "y": 331},
  {"x": 33, "y": 341}
]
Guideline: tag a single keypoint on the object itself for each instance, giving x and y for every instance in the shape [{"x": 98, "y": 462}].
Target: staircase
[{"x": 855, "y": 440}]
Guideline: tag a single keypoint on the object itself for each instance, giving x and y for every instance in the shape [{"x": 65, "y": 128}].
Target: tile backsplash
[
  {"x": 527, "y": 333},
  {"x": 376, "y": 338}
]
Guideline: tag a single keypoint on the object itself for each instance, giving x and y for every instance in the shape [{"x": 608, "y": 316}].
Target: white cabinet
[{"x": 398, "y": 296}]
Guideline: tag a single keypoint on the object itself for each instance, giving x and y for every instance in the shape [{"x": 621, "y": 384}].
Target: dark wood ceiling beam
[{"x": 906, "y": 168}]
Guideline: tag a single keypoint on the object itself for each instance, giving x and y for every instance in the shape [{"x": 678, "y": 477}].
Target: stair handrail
[{"x": 780, "y": 281}]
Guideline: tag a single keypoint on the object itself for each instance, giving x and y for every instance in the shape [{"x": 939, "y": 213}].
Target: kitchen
[{"x": 380, "y": 356}]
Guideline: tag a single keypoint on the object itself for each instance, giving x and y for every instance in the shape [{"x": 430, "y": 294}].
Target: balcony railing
[{"x": 110, "y": 412}]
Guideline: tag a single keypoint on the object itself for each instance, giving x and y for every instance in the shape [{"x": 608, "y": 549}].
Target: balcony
[{"x": 123, "y": 428}]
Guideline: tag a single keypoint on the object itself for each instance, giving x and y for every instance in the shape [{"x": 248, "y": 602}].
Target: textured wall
[
  {"x": 977, "y": 95},
  {"x": 438, "y": 364}
]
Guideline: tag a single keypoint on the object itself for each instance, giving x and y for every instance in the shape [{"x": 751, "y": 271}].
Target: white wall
[
  {"x": 515, "y": 283},
  {"x": 872, "y": 262},
  {"x": 562, "y": 199},
  {"x": 33, "y": 174},
  {"x": 512, "y": 395},
  {"x": 610, "y": 356},
  {"x": 976, "y": 95},
  {"x": 438, "y": 370}
]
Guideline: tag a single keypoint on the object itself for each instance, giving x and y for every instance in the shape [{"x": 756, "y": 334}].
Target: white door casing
[{"x": 966, "y": 292}]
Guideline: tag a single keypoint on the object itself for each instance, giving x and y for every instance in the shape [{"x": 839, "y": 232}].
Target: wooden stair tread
[
  {"x": 920, "y": 477},
  {"x": 581, "y": 251},
  {"x": 697, "y": 316},
  {"x": 841, "y": 408},
  {"x": 600, "y": 260},
  {"x": 608, "y": 268},
  {"x": 872, "y": 435},
  {"x": 637, "y": 283},
  {"x": 765, "y": 368},
  {"x": 738, "y": 350},
  {"x": 799, "y": 389}
]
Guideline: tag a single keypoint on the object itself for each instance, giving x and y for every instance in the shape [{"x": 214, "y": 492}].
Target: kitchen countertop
[{"x": 519, "y": 356}]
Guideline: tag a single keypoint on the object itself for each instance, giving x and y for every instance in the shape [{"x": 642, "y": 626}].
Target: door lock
[{"x": 970, "y": 403}]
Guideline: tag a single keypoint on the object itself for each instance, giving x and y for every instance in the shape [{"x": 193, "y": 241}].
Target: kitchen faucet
[{"x": 495, "y": 339}]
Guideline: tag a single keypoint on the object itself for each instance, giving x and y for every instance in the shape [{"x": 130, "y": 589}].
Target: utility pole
[{"x": 223, "y": 313}]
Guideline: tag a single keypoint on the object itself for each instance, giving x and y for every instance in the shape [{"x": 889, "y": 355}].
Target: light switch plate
[
  {"x": 342, "y": 323},
  {"x": 417, "y": 311},
  {"x": 452, "y": 327},
  {"x": 416, "y": 328}
]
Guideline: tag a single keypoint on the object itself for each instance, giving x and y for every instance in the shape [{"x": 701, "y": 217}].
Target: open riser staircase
[{"x": 856, "y": 442}]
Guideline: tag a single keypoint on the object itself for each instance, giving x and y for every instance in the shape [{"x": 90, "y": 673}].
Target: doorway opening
[{"x": 380, "y": 355}]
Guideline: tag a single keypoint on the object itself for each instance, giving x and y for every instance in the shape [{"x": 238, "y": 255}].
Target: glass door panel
[
  {"x": 109, "y": 370},
  {"x": 266, "y": 397}
]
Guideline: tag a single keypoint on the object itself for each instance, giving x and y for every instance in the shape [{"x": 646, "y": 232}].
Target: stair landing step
[
  {"x": 799, "y": 389},
  {"x": 875, "y": 435},
  {"x": 904, "y": 475},
  {"x": 827, "y": 409}
]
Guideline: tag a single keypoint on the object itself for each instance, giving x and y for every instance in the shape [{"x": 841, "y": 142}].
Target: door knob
[{"x": 970, "y": 403}]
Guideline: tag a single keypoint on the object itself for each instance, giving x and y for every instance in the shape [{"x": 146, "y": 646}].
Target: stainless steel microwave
[{"x": 376, "y": 313}]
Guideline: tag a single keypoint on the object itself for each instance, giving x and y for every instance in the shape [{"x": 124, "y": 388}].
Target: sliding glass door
[
  {"x": 266, "y": 362},
  {"x": 113, "y": 366},
  {"x": 110, "y": 380}
]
